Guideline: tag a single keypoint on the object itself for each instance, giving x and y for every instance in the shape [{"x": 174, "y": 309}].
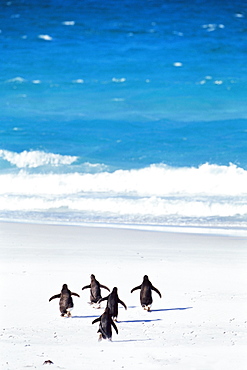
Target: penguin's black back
[
  {"x": 95, "y": 291},
  {"x": 105, "y": 325},
  {"x": 65, "y": 299},
  {"x": 112, "y": 303}
]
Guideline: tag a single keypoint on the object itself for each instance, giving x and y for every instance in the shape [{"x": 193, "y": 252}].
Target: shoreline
[{"x": 236, "y": 231}]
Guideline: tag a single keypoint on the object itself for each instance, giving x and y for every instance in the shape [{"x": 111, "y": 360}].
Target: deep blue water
[{"x": 124, "y": 111}]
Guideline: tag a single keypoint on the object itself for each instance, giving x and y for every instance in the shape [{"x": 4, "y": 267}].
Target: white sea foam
[
  {"x": 157, "y": 192},
  {"x": 68, "y": 23},
  {"x": 114, "y": 79},
  {"x": 218, "y": 82},
  {"x": 33, "y": 159},
  {"x": 78, "y": 81},
  {"x": 152, "y": 181},
  {"x": 16, "y": 79},
  {"x": 45, "y": 37},
  {"x": 145, "y": 208},
  {"x": 212, "y": 26},
  {"x": 239, "y": 15}
]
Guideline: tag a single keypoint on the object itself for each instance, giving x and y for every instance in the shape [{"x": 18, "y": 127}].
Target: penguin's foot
[
  {"x": 96, "y": 305},
  {"x": 147, "y": 308}
]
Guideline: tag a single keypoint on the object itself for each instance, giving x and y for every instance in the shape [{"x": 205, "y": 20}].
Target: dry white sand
[{"x": 199, "y": 323}]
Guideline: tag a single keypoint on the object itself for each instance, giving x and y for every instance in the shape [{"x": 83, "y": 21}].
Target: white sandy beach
[{"x": 199, "y": 323}]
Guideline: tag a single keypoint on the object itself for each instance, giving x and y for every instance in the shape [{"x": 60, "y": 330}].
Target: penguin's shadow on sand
[
  {"x": 159, "y": 310},
  {"x": 149, "y": 320},
  {"x": 166, "y": 309},
  {"x": 132, "y": 340},
  {"x": 171, "y": 309}
]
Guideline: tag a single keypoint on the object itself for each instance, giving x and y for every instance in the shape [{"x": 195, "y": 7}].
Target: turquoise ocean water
[{"x": 124, "y": 112}]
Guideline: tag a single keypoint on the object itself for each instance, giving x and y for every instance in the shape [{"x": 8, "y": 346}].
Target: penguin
[
  {"x": 105, "y": 325},
  {"x": 95, "y": 291},
  {"x": 112, "y": 303},
  {"x": 146, "y": 293},
  {"x": 66, "y": 301}
]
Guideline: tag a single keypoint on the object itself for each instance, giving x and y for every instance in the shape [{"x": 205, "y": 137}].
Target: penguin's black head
[
  {"x": 114, "y": 290},
  {"x": 65, "y": 286},
  {"x": 145, "y": 277},
  {"x": 92, "y": 277}
]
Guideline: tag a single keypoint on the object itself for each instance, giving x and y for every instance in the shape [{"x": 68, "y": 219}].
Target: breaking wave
[
  {"x": 33, "y": 159},
  {"x": 152, "y": 181},
  {"x": 155, "y": 194}
]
